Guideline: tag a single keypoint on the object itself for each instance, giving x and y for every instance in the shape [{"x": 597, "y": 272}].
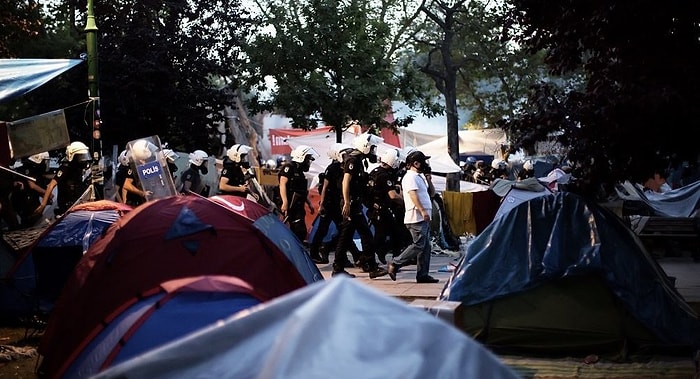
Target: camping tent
[
  {"x": 156, "y": 317},
  {"x": 562, "y": 275},
  {"x": 513, "y": 192},
  {"x": 38, "y": 275},
  {"x": 339, "y": 329},
  {"x": 471, "y": 142},
  {"x": 167, "y": 239}
]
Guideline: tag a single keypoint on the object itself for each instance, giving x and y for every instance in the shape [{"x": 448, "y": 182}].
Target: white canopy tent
[{"x": 471, "y": 142}]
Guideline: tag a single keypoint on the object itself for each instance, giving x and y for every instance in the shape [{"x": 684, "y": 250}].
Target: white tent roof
[
  {"x": 409, "y": 137},
  {"x": 471, "y": 142},
  {"x": 338, "y": 328}
]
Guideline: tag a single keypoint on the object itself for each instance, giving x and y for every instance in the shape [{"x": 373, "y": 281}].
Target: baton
[
  {"x": 291, "y": 203},
  {"x": 17, "y": 173}
]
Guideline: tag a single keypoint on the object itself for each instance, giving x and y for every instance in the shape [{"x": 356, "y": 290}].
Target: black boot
[
  {"x": 337, "y": 270},
  {"x": 316, "y": 257}
]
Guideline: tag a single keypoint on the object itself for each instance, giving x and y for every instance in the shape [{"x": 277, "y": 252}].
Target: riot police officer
[
  {"x": 354, "y": 185},
  {"x": 69, "y": 179},
  {"x": 233, "y": 180},
  {"x": 382, "y": 200},
  {"x": 191, "y": 179},
  {"x": 294, "y": 189},
  {"x": 329, "y": 210}
]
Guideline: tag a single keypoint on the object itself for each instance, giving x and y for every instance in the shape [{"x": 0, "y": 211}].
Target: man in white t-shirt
[{"x": 417, "y": 193}]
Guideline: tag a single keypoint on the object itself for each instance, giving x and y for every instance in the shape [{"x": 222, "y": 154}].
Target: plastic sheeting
[
  {"x": 680, "y": 202},
  {"x": 339, "y": 328},
  {"x": 563, "y": 235},
  {"x": 20, "y": 76}
]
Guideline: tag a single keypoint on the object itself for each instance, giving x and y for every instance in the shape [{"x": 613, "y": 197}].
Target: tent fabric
[
  {"x": 564, "y": 235},
  {"x": 582, "y": 317},
  {"x": 515, "y": 192},
  {"x": 156, "y": 318},
  {"x": 21, "y": 76},
  {"x": 471, "y": 142},
  {"x": 679, "y": 202},
  {"x": 278, "y": 137},
  {"x": 328, "y": 329},
  {"x": 459, "y": 212},
  {"x": 412, "y": 138},
  {"x": 134, "y": 255},
  {"x": 486, "y": 205},
  {"x": 38, "y": 275}
]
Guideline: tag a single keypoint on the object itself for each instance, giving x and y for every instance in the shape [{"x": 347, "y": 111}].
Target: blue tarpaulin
[
  {"x": 564, "y": 236},
  {"x": 21, "y": 76}
]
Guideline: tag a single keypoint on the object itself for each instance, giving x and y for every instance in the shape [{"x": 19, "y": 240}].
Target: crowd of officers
[
  {"x": 353, "y": 198},
  {"x": 477, "y": 171},
  {"x": 25, "y": 194}
]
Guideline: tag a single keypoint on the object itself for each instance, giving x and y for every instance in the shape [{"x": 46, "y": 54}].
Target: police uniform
[
  {"x": 357, "y": 221},
  {"x": 234, "y": 177},
  {"x": 330, "y": 209},
  {"x": 380, "y": 212},
  {"x": 26, "y": 200},
  {"x": 524, "y": 174},
  {"x": 70, "y": 185},
  {"x": 191, "y": 175},
  {"x": 131, "y": 198},
  {"x": 297, "y": 192}
]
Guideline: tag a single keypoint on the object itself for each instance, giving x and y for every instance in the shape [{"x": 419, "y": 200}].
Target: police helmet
[
  {"x": 198, "y": 157},
  {"x": 77, "y": 151},
  {"x": 367, "y": 143},
  {"x": 238, "y": 152},
  {"x": 300, "y": 153}
]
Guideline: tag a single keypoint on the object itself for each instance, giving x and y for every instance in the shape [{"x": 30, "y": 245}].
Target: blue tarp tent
[{"x": 560, "y": 272}]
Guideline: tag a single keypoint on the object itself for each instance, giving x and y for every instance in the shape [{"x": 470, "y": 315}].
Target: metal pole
[
  {"x": 97, "y": 167},
  {"x": 91, "y": 40}
]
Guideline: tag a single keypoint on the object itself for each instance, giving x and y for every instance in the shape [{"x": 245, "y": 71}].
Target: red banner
[{"x": 278, "y": 137}]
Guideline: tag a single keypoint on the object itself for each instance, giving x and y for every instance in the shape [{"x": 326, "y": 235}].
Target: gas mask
[
  {"x": 245, "y": 165},
  {"x": 203, "y": 169},
  {"x": 307, "y": 163},
  {"x": 372, "y": 156}
]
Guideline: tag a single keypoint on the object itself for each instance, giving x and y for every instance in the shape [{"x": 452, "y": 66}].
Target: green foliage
[
  {"x": 640, "y": 62},
  {"x": 21, "y": 21},
  {"x": 157, "y": 60},
  {"x": 328, "y": 61}
]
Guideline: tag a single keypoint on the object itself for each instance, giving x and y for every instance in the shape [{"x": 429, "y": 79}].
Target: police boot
[
  {"x": 338, "y": 270},
  {"x": 316, "y": 257}
]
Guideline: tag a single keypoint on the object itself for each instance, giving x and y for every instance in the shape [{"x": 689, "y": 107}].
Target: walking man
[
  {"x": 354, "y": 186},
  {"x": 294, "y": 190},
  {"x": 417, "y": 193}
]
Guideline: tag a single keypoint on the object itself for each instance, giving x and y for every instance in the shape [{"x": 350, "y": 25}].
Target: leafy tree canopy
[
  {"x": 329, "y": 63},
  {"x": 639, "y": 101},
  {"x": 21, "y": 20},
  {"x": 158, "y": 61}
]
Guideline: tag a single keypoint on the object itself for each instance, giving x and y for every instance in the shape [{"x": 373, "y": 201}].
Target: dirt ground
[{"x": 18, "y": 357}]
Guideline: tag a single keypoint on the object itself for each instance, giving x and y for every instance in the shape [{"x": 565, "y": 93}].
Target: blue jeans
[{"x": 419, "y": 248}]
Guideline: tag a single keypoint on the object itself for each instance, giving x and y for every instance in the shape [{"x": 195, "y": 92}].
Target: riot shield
[{"x": 149, "y": 162}]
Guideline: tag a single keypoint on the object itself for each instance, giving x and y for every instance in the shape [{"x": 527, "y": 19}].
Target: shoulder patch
[
  {"x": 223, "y": 172},
  {"x": 389, "y": 183},
  {"x": 351, "y": 166},
  {"x": 59, "y": 173},
  {"x": 286, "y": 169}
]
